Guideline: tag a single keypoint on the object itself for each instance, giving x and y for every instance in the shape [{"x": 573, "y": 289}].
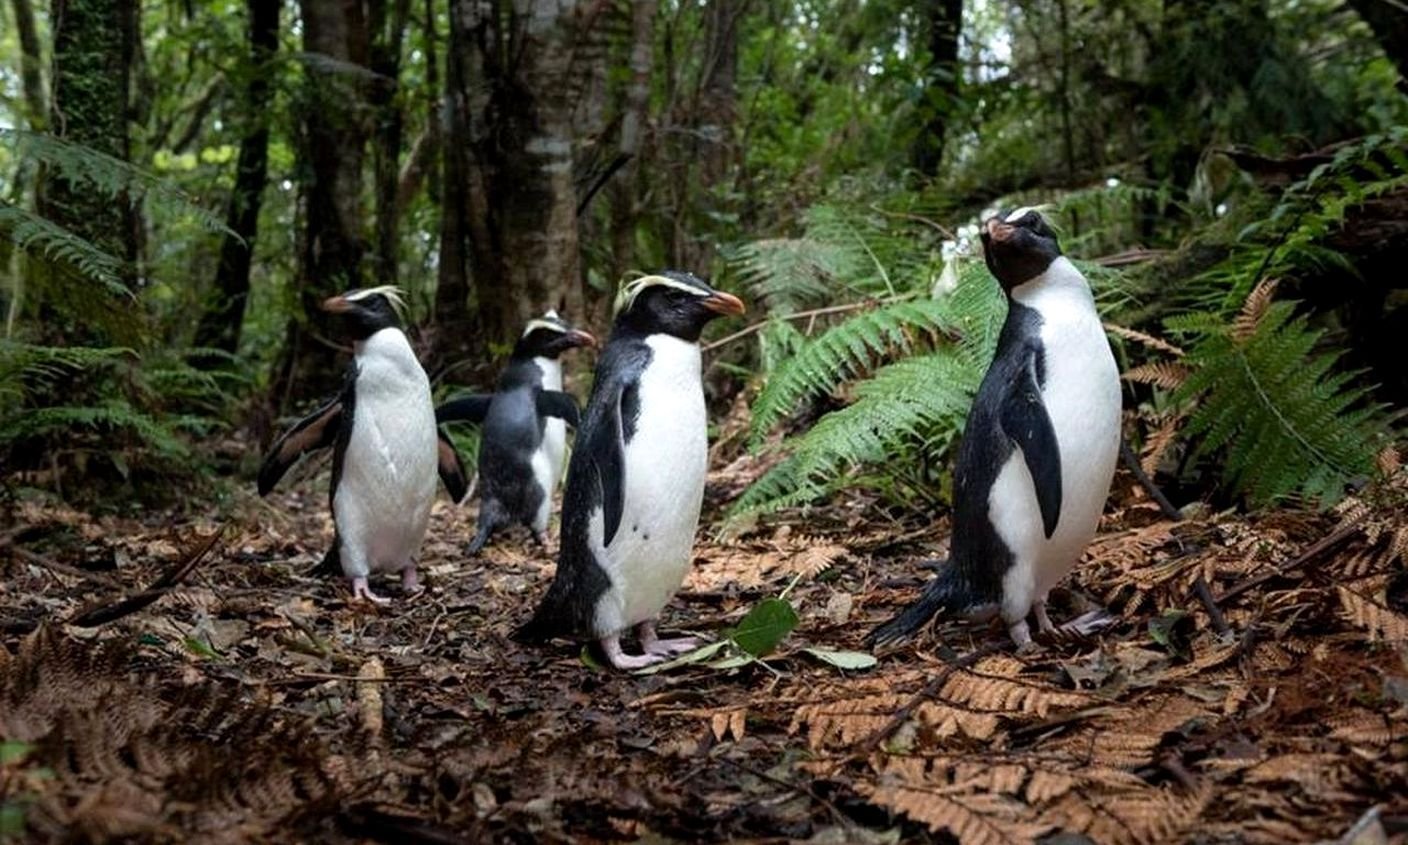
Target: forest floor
[{"x": 254, "y": 702}]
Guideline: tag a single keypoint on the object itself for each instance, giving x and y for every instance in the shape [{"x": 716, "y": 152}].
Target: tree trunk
[
  {"x": 221, "y": 324},
  {"x": 624, "y": 191},
  {"x": 715, "y": 118},
  {"x": 388, "y": 31},
  {"x": 522, "y": 79},
  {"x": 1389, "y": 21},
  {"x": 93, "y": 43},
  {"x": 455, "y": 337},
  {"x": 30, "y": 63},
  {"x": 335, "y": 132},
  {"x": 943, "y": 21}
]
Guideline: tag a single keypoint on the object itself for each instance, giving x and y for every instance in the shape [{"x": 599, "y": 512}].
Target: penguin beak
[
  {"x": 337, "y": 305},
  {"x": 724, "y": 303},
  {"x": 581, "y": 338},
  {"x": 997, "y": 230}
]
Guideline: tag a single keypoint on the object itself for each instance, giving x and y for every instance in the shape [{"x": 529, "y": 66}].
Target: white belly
[
  {"x": 1082, "y": 397},
  {"x": 551, "y": 456},
  {"x": 390, "y": 469},
  {"x": 664, "y": 489}
]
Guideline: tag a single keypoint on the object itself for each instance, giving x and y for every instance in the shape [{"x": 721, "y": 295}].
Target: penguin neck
[
  {"x": 1060, "y": 282},
  {"x": 388, "y": 343},
  {"x": 552, "y": 372}
]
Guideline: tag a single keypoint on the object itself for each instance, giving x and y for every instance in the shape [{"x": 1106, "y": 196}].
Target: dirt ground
[{"x": 1254, "y": 688}]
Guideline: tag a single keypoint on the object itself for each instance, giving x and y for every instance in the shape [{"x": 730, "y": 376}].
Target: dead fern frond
[
  {"x": 1157, "y": 444},
  {"x": 1364, "y": 728},
  {"x": 994, "y": 686},
  {"x": 1258, "y": 301},
  {"x": 816, "y": 559},
  {"x": 1373, "y": 614},
  {"x": 1165, "y": 374},
  {"x": 1145, "y": 339},
  {"x": 978, "y": 818},
  {"x": 1146, "y": 815}
]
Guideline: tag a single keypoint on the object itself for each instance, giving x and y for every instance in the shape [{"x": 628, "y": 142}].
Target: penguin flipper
[
  {"x": 452, "y": 473},
  {"x": 607, "y": 447},
  {"x": 556, "y": 403},
  {"x": 467, "y": 409},
  {"x": 316, "y": 431},
  {"x": 1024, "y": 419}
]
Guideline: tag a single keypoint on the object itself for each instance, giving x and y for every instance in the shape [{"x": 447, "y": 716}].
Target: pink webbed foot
[
  {"x": 360, "y": 590},
  {"x": 620, "y": 660},
  {"x": 657, "y": 647}
]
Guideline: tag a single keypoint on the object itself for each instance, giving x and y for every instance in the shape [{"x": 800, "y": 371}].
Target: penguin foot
[
  {"x": 1043, "y": 622},
  {"x": 1022, "y": 636},
  {"x": 653, "y": 645},
  {"x": 360, "y": 590},
  {"x": 619, "y": 659},
  {"x": 410, "y": 581}
]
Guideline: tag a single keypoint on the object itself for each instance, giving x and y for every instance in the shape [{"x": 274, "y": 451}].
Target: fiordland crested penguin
[
  {"x": 636, "y": 479},
  {"x": 386, "y": 447},
  {"x": 1039, "y": 447},
  {"x": 523, "y": 442}
]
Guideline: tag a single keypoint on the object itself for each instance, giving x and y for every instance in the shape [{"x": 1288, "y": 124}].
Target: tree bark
[
  {"x": 525, "y": 65},
  {"x": 1389, "y": 22},
  {"x": 624, "y": 191},
  {"x": 221, "y": 324},
  {"x": 93, "y": 43},
  {"x": 388, "y": 31},
  {"x": 943, "y": 21},
  {"x": 335, "y": 132},
  {"x": 31, "y": 74},
  {"x": 454, "y": 326}
]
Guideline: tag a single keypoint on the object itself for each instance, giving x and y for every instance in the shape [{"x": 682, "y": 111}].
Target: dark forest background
[{"x": 182, "y": 181}]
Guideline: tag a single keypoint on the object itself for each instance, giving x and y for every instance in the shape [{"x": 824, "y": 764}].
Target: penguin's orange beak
[
  {"x": 724, "y": 303},
  {"x": 337, "y": 305},
  {"x": 581, "y": 338},
  {"x": 999, "y": 231}
]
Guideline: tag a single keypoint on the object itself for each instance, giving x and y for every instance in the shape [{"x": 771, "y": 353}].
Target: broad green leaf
[
  {"x": 843, "y": 659},
  {"x": 12, "y": 750},
  {"x": 765, "y": 626}
]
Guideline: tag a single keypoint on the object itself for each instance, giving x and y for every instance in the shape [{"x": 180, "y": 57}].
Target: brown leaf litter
[{"x": 1253, "y": 689}]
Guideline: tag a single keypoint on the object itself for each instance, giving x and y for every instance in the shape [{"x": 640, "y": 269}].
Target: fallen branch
[
  {"x": 1131, "y": 461},
  {"x": 1219, "y": 621},
  {"x": 107, "y": 612},
  {"x": 930, "y": 690},
  {"x": 1330, "y": 542}
]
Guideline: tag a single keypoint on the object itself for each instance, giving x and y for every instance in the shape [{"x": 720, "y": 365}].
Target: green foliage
[{"x": 1275, "y": 415}]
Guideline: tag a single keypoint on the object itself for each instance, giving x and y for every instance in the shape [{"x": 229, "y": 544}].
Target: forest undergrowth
[{"x": 1253, "y": 687}]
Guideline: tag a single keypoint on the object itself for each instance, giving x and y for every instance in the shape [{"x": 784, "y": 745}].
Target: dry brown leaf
[
  {"x": 1245, "y": 324},
  {"x": 1166, "y": 374}
]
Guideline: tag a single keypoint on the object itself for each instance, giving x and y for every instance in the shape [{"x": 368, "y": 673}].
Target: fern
[
  {"x": 1281, "y": 419},
  {"x": 840, "y": 354}
]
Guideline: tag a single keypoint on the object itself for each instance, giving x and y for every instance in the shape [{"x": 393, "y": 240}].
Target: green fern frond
[
  {"x": 51, "y": 243},
  {"x": 1282, "y": 421},
  {"x": 841, "y": 353}
]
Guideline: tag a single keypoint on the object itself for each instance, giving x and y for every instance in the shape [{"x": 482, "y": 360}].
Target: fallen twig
[
  {"x": 1219, "y": 621},
  {"x": 1131, "y": 461},
  {"x": 107, "y": 612},
  {"x": 1329, "y": 543},
  {"x": 930, "y": 689}
]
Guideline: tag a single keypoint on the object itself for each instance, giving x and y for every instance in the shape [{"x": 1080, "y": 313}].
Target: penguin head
[
  {"x": 673, "y": 303},
  {"x": 368, "y": 310},
  {"x": 549, "y": 336},
  {"x": 1018, "y": 246}
]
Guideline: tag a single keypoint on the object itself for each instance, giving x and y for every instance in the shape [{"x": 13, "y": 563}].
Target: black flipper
[
  {"x": 556, "y": 403},
  {"x": 607, "y": 451},
  {"x": 452, "y": 473},
  {"x": 318, "y": 430},
  {"x": 467, "y": 409},
  {"x": 946, "y": 592},
  {"x": 1024, "y": 419}
]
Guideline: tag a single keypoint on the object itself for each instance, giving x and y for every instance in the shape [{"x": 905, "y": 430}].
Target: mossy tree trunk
[
  {"x": 93, "y": 48},
  {"x": 943, "y": 22}
]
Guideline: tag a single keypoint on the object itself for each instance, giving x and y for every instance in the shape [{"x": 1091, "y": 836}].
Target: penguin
[
  {"x": 635, "y": 482},
  {"x": 524, "y": 438},
  {"x": 387, "y": 449},
  {"x": 1039, "y": 447}
]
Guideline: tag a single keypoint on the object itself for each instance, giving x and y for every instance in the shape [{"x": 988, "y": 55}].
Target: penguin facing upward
[
  {"x": 386, "y": 448},
  {"x": 635, "y": 483},
  {"x": 524, "y": 438},
  {"x": 1039, "y": 447}
]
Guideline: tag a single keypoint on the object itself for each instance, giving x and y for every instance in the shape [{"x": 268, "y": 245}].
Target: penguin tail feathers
[
  {"x": 533, "y": 632},
  {"x": 331, "y": 564},
  {"x": 946, "y": 593}
]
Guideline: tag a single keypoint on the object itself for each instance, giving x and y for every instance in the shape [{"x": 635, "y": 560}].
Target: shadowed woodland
[{"x": 184, "y": 184}]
